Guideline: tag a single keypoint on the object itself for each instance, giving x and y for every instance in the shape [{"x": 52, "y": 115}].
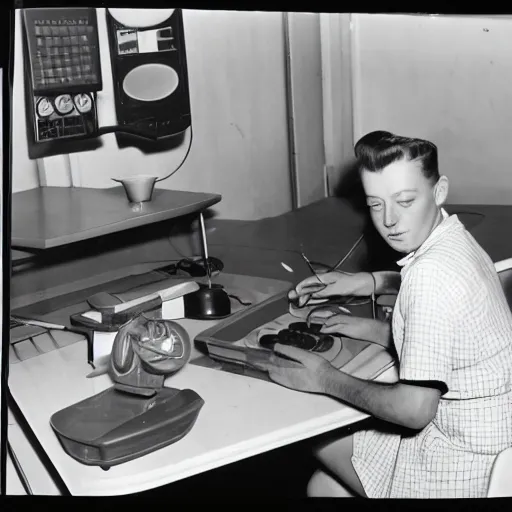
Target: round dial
[
  {"x": 63, "y": 104},
  {"x": 44, "y": 107},
  {"x": 83, "y": 103}
]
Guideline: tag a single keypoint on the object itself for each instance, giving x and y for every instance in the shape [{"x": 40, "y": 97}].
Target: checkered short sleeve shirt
[{"x": 452, "y": 325}]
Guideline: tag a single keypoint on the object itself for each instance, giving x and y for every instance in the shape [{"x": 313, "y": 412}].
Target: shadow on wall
[
  {"x": 159, "y": 242},
  {"x": 149, "y": 146},
  {"x": 124, "y": 139},
  {"x": 380, "y": 255}
]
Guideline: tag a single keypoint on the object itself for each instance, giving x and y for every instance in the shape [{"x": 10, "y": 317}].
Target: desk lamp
[
  {"x": 137, "y": 415},
  {"x": 210, "y": 301}
]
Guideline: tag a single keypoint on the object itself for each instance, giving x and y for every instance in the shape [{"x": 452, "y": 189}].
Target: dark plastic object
[
  {"x": 301, "y": 336},
  {"x": 139, "y": 362},
  {"x": 113, "y": 427},
  {"x": 112, "y": 322},
  {"x": 207, "y": 303}
]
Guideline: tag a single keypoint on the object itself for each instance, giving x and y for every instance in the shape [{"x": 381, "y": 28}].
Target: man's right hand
[
  {"x": 367, "y": 329},
  {"x": 334, "y": 283}
]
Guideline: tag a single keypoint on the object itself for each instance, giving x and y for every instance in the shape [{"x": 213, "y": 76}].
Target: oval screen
[
  {"x": 150, "y": 82},
  {"x": 140, "y": 18}
]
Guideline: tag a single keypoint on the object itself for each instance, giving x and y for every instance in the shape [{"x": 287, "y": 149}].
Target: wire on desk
[
  {"x": 349, "y": 253},
  {"x": 342, "y": 260},
  {"x": 150, "y": 262},
  {"x": 242, "y": 302}
]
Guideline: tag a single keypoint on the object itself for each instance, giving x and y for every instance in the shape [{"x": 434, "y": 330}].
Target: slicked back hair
[{"x": 378, "y": 149}]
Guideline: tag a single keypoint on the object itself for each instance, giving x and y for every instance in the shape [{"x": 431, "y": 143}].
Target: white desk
[{"x": 241, "y": 417}]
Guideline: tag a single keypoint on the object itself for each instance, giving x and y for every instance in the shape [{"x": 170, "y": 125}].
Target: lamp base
[{"x": 207, "y": 303}]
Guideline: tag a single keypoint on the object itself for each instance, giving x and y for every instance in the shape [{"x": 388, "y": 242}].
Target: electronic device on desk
[
  {"x": 240, "y": 343},
  {"x": 109, "y": 312},
  {"x": 149, "y": 68},
  {"x": 138, "y": 415},
  {"x": 62, "y": 77},
  {"x": 211, "y": 302}
]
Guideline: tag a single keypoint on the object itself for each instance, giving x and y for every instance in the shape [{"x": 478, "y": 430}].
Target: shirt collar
[{"x": 447, "y": 222}]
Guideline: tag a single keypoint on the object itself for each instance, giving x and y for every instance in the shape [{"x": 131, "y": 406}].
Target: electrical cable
[
  {"x": 349, "y": 253},
  {"x": 126, "y": 129},
  {"x": 184, "y": 158},
  {"x": 243, "y": 303}
]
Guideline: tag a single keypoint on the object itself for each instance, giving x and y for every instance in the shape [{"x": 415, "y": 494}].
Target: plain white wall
[
  {"x": 24, "y": 170},
  {"x": 306, "y": 106},
  {"x": 237, "y": 93},
  {"x": 447, "y": 79}
]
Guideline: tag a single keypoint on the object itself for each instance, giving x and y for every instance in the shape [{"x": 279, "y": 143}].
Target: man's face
[{"x": 404, "y": 205}]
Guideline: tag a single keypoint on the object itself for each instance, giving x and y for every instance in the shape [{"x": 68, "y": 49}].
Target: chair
[{"x": 500, "y": 482}]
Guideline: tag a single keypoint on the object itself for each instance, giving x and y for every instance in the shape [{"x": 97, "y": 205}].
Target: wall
[
  {"x": 336, "y": 54},
  {"x": 24, "y": 170},
  {"x": 447, "y": 79},
  {"x": 237, "y": 92},
  {"x": 305, "y": 107}
]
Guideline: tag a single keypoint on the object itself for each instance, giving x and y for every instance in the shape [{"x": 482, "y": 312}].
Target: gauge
[
  {"x": 83, "y": 103},
  {"x": 44, "y": 107},
  {"x": 63, "y": 104}
]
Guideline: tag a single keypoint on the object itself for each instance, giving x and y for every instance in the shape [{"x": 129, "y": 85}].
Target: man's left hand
[{"x": 306, "y": 373}]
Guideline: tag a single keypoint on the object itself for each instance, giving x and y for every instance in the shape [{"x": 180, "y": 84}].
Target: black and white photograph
[{"x": 259, "y": 254}]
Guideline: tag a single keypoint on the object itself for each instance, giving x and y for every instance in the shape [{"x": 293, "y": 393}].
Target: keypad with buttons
[
  {"x": 64, "y": 56},
  {"x": 65, "y": 116}
]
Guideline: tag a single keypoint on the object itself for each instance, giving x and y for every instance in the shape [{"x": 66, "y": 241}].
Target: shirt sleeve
[{"x": 429, "y": 329}]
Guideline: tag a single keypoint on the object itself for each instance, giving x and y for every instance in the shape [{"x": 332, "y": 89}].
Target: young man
[{"x": 440, "y": 427}]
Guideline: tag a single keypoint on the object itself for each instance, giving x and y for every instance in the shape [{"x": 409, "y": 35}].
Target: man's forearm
[
  {"x": 386, "y": 282},
  {"x": 378, "y": 332},
  {"x": 396, "y": 403}
]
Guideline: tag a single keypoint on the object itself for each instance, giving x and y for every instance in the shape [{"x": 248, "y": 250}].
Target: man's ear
[{"x": 441, "y": 190}]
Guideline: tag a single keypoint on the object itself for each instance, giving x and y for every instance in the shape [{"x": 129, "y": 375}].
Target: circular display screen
[
  {"x": 83, "y": 103},
  {"x": 139, "y": 18},
  {"x": 64, "y": 104},
  {"x": 150, "y": 82},
  {"x": 44, "y": 107}
]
